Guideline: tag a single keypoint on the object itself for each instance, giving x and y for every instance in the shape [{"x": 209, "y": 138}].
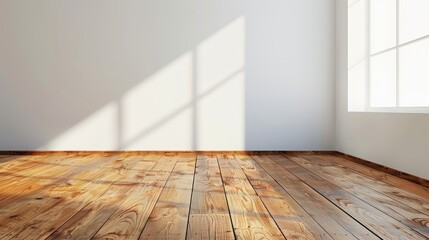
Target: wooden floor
[{"x": 208, "y": 196}]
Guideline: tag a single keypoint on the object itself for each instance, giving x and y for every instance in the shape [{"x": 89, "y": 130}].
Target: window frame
[{"x": 369, "y": 56}]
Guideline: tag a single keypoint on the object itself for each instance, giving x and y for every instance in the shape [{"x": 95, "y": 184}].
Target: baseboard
[
  {"x": 382, "y": 168},
  {"x": 41, "y": 152}
]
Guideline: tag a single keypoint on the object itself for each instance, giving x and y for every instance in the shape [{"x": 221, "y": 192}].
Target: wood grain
[
  {"x": 206, "y": 195},
  {"x": 293, "y": 220},
  {"x": 384, "y": 169},
  {"x": 348, "y": 181},
  {"x": 60, "y": 203},
  {"x": 381, "y": 177},
  {"x": 209, "y": 216},
  {"x": 128, "y": 221},
  {"x": 169, "y": 217},
  {"x": 91, "y": 218},
  {"x": 378, "y": 222},
  {"x": 210, "y": 226},
  {"x": 335, "y": 222},
  {"x": 250, "y": 218}
]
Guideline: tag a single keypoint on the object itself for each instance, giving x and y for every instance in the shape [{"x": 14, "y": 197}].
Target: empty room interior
[{"x": 214, "y": 119}]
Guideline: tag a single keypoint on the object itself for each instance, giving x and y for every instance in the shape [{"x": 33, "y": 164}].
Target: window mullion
[
  {"x": 368, "y": 56},
  {"x": 397, "y": 53}
]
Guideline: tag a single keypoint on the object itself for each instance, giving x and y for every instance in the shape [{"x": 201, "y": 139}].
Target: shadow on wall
[
  {"x": 133, "y": 75},
  {"x": 157, "y": 75}
]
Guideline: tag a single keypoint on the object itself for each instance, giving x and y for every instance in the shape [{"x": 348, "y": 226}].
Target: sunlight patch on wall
[
  {"x": 221, "y": 85},
  {"x": 158, "y": 108},
  {"x": 221, "y": 116},
  {"x": 221, "y": 55},
  {"x": 195, "y": 102},
  {"x": 97, "y": 131}
]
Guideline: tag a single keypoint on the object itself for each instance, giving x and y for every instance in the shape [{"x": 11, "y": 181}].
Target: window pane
[
  {"x": 414, "y": 74},
  {"x": 383, "y": 80},
  {"x": 383, "y": 24},
  {"x": 356, "y": 32},
  {"x": 357, "y": 52},
  {"x": 413, "y": 19}
]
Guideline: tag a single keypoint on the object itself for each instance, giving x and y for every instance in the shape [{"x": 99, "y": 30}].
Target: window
[{"x": 388, "y": 56}]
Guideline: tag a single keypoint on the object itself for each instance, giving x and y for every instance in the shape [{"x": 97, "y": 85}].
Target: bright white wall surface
[
  {"x": 167, "y": 75},
  {"x": 397, "y": 140}
]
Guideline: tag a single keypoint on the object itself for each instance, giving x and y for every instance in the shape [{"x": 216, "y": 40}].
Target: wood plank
[
  {"x": 209, "y": 216},
  {"x": 36, "y": 178},
  {"x": 411, "y": 187},
  {"x": 15, "y": 164},
  {"x": 169, "y": 217},
  {"x": 17, "y": 182},
  {"x": 390, "y": 171},
  {"x": 416, "y": 195},
  {"x": 22, "y": 160},
  {"x": 250, "y": 218},
  {"x": 18, "y": 196},
  {"x": 48, "y": 192},
  {"x": 208, "y": 193},
  {"x": 210, "y": 226},
  {"x": 135, "y": 195},
  {"x": 15, "y": 159},
  {"x": 86, "y": 223},
  {"x": 378, "y": 222},
  {"x": 18, "y": 211},
  {"x": 5, "y": 159},
  {"x": 128, "y": 221},
  {"x": 345, "y": 180},
  {"x": 292, "y": 219},
  {"x": 59, "y": 204},
  {"x": 335, "y": 222}
]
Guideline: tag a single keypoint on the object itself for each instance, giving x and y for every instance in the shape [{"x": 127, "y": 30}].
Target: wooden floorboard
[
  {"x": 209, "y": 216},
  {"x": 71, "y": 195},
  {"x": 293, "y": 220},
  {"x": 351, "y": 183},
  {"x": 334, "y": 221},
  {"x": 93, "y": 216},
  {"x": 131, "y": 216},
  {"x": 169, "y": 217},
  {"x": 382, "y": 178},
  {"x": 375, "y": 220},
  {"x": 250, "y": 218},
  {"x": 136, "y": 195}
]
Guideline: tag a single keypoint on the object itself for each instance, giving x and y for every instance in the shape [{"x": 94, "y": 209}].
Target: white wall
[
  {"x": 167, "y": 75},
  {"x": 396, "y": 140},
  {"x": 290, "y": 84}
]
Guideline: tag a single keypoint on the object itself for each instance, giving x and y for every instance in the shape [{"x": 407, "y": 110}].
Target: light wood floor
[{"x": 207, "y": 196}]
